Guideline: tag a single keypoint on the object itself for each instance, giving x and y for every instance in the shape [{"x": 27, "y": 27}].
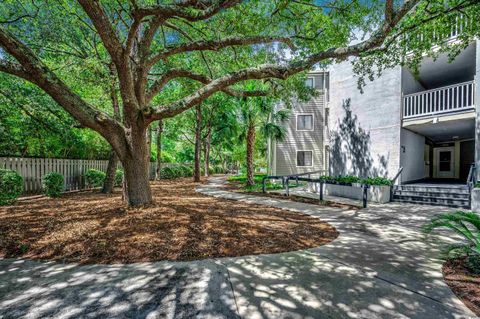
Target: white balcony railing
[{"x": 448, "y": 99}]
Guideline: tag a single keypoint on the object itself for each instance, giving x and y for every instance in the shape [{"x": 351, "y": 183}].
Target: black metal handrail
[
  {"x": 471, "y": 181},
  {"x": 400, "y": 170},
  {"x": 298, "y": 177}
]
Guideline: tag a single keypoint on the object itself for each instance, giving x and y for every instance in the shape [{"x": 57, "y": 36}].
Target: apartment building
[{"x": 423, "y": 125}]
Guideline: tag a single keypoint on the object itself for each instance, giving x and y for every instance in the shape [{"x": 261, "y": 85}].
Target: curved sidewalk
[{"x": 379, "y": 267}]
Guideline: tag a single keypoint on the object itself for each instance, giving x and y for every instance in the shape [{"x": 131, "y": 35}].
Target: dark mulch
[
  {"x": 238, "y": 187},
  {"x": 183, "y": 225},
  {"x": 463, "y": 283}
]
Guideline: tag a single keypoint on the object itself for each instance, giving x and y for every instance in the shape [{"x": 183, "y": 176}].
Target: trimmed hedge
[
  {"x": 11, "y": 186},
  {"x": 95, "y": 178},
  {"x": 349, "y": 179},
  {"x": 176, "y": 171},
  {"x": 53, "y": 184}
]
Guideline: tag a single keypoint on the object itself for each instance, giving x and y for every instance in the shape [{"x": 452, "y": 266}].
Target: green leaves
[{"x": 464, "y": 224}]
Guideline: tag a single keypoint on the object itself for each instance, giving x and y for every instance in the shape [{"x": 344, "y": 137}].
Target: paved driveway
[{"x": 379, "y": 267}]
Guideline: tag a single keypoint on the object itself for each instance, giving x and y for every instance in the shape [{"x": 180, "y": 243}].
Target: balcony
[{"x": 448, "y": 99}]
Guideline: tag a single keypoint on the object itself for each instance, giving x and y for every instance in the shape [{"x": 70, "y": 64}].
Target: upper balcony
[
  {"x": 437, "y": 36},
  {"x": 448, "y": 99}
]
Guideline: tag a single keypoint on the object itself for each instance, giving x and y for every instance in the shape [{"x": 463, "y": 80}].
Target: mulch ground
[
  {"x": 182, "y": 225},
  {"x": 463, "y": 283}
]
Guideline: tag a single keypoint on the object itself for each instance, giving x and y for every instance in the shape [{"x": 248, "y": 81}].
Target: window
[
  {"x": 304, "y": 158},
  {"x": 309, "y": 82},
  {"x": 305, "y": 122}
]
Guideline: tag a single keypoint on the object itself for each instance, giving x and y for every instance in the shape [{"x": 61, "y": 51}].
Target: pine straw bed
[
  {"x": 183, "y": 225},
  {"x": 463, "y": 283}
]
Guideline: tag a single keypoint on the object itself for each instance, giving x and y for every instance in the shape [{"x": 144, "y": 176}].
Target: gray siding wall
[
  {"x": 364, "y": 129},
  {"x": 286, "y": 151}
]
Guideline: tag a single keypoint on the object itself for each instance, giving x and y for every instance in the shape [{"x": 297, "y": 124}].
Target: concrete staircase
[{"x": 442, "y": 195}]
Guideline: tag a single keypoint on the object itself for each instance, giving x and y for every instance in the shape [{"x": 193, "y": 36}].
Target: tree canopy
[{"x": 163, "y": 58}]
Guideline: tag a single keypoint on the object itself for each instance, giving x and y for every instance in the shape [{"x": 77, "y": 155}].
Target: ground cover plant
[{"x": 182, "y": 225}]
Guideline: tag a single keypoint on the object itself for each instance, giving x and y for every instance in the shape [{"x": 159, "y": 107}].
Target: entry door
[{"x": 445, "y": 164}]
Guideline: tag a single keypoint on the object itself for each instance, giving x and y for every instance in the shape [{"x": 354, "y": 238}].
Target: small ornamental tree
[{"x": 169, "y": 56}]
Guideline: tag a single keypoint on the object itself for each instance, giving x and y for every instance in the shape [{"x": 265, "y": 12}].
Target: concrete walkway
[{"x": 379, "y": 267}]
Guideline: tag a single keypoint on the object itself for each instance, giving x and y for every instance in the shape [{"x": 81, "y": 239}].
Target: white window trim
[
  {"x": 313, "y": 122},
  {"x": 296, "y": 158},
  {"x": 313, "y": 81}
]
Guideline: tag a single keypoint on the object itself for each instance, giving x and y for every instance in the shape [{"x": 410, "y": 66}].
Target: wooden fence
[{"x": 33, "y": 169}]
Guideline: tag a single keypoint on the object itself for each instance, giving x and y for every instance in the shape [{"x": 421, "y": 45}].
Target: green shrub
[
  {"x": 477, "y": 185},
  {"x": 53, "y": 184},
  {"x": 118, "y": 178},
  {"x": 348, "y": 179},
  {"x": 95, "y": 178},
  {"x": 467, "y": 226},
  {"x": 378, "y": 181},
  {"x": 11, "y": 186}
]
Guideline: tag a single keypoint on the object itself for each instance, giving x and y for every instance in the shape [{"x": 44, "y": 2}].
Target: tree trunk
[
  {"x": 198, "y": 143},
  {"x": 250, "y": 152},
  {"x": 158, "y": 169},
  {"x": 109, "y": 182},
  {"x": 136, "y": 165},
  {"x": 206, "y": 157}
]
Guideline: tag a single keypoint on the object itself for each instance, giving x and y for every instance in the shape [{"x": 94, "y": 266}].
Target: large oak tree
[{"x": 154, "y": 44}]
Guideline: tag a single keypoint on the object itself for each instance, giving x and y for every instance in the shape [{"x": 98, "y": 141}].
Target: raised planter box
[
  {"x": 377, "y": 194},
  {"x": 476, "y": 200}
]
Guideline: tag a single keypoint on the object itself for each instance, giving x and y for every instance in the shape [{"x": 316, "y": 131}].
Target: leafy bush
[
  {"x": 477, "y": 185},
  {"x": 95, "y": 178},
  {"x": 118, "y": 178},
  {"x": 348, "y": 179},
  {"x": 465, "y": 224},
  {"x": 378, "y": 181},
  {"x": 53, "y": 184},
  {"x": 176, "y": 171},
  {"x": 11, "y": 186}
]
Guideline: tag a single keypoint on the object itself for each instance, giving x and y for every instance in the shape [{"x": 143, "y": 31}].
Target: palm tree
[{"x": 255, "y": 114}]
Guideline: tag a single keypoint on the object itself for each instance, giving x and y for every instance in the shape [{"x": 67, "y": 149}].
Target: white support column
[{"x": 477, "y": 108}]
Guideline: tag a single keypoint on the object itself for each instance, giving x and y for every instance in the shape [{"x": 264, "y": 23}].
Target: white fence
[
  {"x": 33, "y": 169},
  {"x": 458, "y": 97}
]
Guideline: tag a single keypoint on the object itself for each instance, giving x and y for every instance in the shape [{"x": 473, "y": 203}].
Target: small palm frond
[
  {"x": 465, "y": 224},
  {"x": 274, "y": 131},
  {"x": 281, "y": 116}
]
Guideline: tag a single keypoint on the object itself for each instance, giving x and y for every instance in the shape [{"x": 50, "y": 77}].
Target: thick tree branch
[
  {"x": 171, "y": 11},
  {"x": 104, "y": 29},
  {"x": 35, "y": 71},
  {"x": 215, "y": 45},
  {"x": 284, "y": 71},
  {"x": 179, "y": 73},
  {"x": 13, "y": 69}
]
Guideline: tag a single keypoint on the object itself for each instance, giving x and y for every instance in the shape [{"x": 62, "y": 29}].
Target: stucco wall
[
  {"x": 409, "y": 83},
  {"x": 364, "y": 128},
  {"x": 412, "y": 156}
]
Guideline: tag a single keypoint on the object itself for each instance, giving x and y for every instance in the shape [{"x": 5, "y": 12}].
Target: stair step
[
  {"x": 453, "y": 194},
  {"x": 461, "y": 205},
  {"x": 444, "y": 201},
  {"x": 437, "y": 189}
]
